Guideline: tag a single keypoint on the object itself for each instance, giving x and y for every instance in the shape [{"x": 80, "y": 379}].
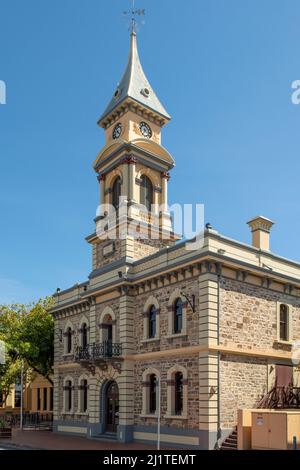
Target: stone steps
[
  {"x": 230, "y": 443},
  {"x": 107, "y": 437}
]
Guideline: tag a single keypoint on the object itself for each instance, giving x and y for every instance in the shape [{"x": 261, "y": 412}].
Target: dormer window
[
  {"x": 117, "y": 93},
  {"x": 145, "y": 92}
]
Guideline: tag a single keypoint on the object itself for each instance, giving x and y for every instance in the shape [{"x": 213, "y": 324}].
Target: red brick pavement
[{"x": 48, "y": 441}]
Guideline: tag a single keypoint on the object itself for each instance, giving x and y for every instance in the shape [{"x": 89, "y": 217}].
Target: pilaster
[
  {"x": 208, "y": 308},
  {"x": 92, "y": 317},
  {"x": 126, "y": 379}
]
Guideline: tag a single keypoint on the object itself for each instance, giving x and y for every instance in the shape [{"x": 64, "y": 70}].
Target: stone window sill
[
  {"x": 148, "y": 415},
  {"x": 68, "y": 413},
  {"x": 150, "y": 340},
  {"x": 169, "y": 416},
  {"x": 284, "y": 343},
  {"x": 79, "y": 413},
  {"x": 176, "y": 335}
]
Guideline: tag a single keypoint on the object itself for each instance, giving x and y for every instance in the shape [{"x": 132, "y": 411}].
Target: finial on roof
[{"x": 134, "y": 13}]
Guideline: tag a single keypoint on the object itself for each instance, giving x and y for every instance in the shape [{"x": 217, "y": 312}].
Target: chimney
[{"x": 260, "y": 227}]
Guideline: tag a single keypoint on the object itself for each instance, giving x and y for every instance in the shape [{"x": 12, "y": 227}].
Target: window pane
[
  {"x": 38, "y": 399},
  {"x": 51, "y": 398},
  {"x": 45, "y": 399},
  {"x": 69, "y": 395},
  {"x": 17, "y": 394},
  {"x": 178, "y": 316},
  {"x": 152, "y": 322},
  {"x": 178, "y": 393},
  {"x": 116, "y": 193},
  {"x": 85, "y": 396},
  {"x": 152, "y": 397},
  {"x": 84, "y": 335},
  {"x": 69, "y": 340},
  {"x": 146, "y": 193},
  {"x": 283, "y": 323}
]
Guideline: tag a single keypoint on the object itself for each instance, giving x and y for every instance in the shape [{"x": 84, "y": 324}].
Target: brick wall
[
  {"x": 162, "y": 295},
  {"x": 249, "y": 314},
  {"x": 162, "y": 366},
  {"x": 243, "y": 382}
]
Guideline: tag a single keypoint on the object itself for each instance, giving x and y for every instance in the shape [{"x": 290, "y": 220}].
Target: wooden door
[
  {"x": 284, "y": 375},
  {"x": 112, "y": 407}
]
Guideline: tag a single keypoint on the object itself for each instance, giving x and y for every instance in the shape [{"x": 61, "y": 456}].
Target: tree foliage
[{"x": 28, "y": 334}]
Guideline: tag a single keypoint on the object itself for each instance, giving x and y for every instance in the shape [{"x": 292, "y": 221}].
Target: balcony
[{"x": 98, "y": 352}]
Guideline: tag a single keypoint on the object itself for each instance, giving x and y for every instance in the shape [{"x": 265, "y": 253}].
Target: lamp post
[
  {"x": 21, "y": 407},
  {"x": 159, "y": 415}
]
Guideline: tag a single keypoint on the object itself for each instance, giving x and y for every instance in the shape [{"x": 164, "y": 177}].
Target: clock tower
[{"x": 133, "y": 220}]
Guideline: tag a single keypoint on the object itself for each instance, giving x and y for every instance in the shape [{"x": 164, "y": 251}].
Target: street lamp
[
  {"x": 159, "y": 414},
  {"x": 22, "y": 384}
]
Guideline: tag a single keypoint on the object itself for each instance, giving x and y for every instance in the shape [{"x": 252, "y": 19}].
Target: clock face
[
  {"x": 145, "y": 130},
  {"x": 117, "y": 131}
]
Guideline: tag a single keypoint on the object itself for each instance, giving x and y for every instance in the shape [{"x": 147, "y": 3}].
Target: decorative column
[
  {"x": 92, "y": 320},
  {"x": 125, "y": 172},
  {"x": 101, "y": 178},
  {"x": 129, "y": 172},
  {"x": 165, "y": 177},
  {"x": 132, "y": 172},
  {"x": 166, "y": 222},
  {"x": 93, "y": 402}
]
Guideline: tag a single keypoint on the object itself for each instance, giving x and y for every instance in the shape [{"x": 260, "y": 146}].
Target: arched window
[
  {"x": 69, "y": 340},
  {"x": 68, "y": 396},
  {"x": 152, "y": 393},
  {"x": 178, "y": 390},
  {"x": 178, "y": 316},
  {"x": 116, "y": 193},
  {"x": 284, "y": 323},
  {"x": 84, "y": 335},
  {"x": 152, "y": 321},
  {"x": 146, "y": 194},
  {"x": 83, "y": 396}
]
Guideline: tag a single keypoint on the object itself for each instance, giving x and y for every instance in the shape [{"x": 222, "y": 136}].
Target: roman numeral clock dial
[
  {"x": 146, "y": 130},
  {"x": 117, "y": 131}
]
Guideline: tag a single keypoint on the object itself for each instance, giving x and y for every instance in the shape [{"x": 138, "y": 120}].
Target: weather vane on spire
[{"x": 134, "y": 13}]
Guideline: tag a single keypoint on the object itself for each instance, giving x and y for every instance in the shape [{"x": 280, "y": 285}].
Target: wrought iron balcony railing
[
  {"x": 98, "y": 351},
  {"x": 281, "y": 397}
]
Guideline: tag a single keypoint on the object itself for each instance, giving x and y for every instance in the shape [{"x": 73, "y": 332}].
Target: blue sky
[{"x": 222, "y": 68}]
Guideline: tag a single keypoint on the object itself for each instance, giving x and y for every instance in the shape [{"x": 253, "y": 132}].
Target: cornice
[
  {"x": 132, "y": 105},
  {"x": 129, "y": 150}
]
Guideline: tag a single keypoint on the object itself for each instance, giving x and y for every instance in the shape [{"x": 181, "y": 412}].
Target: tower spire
[{"x": 134, "y": 87}]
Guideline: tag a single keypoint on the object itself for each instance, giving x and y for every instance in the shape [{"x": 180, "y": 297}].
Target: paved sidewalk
[{"x": 46, "y": 440}]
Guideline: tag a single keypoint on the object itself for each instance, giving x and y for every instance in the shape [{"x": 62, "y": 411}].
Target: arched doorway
[{"x": 111, "y": 407}]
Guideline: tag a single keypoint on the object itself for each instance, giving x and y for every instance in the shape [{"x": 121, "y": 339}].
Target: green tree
[{"x": 28, "y": 334}]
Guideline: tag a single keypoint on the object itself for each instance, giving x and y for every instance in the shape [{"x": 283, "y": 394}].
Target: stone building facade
[{"x": 159, "y": 330}]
